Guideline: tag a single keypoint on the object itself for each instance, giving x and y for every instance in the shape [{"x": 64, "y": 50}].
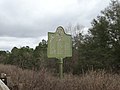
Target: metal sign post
[
  {"x": 61, "y": 68},
  {"x": 59, "y": 46}
]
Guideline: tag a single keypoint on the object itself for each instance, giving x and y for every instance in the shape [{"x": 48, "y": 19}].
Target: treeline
[
  {"x": 99, "y": 49},
  {"x": 25, "y": 57}
]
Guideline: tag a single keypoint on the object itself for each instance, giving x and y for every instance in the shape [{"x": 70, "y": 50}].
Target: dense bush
[{"x": 44, "y": 80}]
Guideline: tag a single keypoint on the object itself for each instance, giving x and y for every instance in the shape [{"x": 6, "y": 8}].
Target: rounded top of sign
[{"x": 60, "y": 29}]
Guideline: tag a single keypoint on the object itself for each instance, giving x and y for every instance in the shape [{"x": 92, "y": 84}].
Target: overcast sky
[{"x": 27, "y": 22}]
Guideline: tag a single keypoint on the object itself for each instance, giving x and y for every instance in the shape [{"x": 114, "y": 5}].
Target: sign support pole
[{"x": 61, "y": 68}]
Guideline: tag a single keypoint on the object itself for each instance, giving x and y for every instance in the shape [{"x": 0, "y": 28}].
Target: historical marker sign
[{"x": 59, "y": 44}]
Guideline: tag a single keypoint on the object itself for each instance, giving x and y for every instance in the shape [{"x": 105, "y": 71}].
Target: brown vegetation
[{"x": 44, "y": 80}]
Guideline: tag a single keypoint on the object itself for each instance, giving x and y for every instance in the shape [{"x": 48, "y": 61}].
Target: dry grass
[{"x": 43, "y": 80}]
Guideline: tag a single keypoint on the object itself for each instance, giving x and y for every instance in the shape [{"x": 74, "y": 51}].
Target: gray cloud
[
  {"x": 26, "y": 22},
  {"x": 7, "y": 43},
  {"x": 28, "y": 18}
]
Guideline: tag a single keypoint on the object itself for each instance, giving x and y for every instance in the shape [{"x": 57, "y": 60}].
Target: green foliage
[
  {"x": 22, "y": 57},
  {"x": 40, "y": 54},
  {"x": 3, "y": 56},
  {"x": 107, "y": 27},
  {"x": 100, "y": 49},
  {"x": 26, "y": 57}
]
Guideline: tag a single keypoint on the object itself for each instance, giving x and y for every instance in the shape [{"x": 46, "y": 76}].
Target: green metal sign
[{"x": 59, "y": 44}]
